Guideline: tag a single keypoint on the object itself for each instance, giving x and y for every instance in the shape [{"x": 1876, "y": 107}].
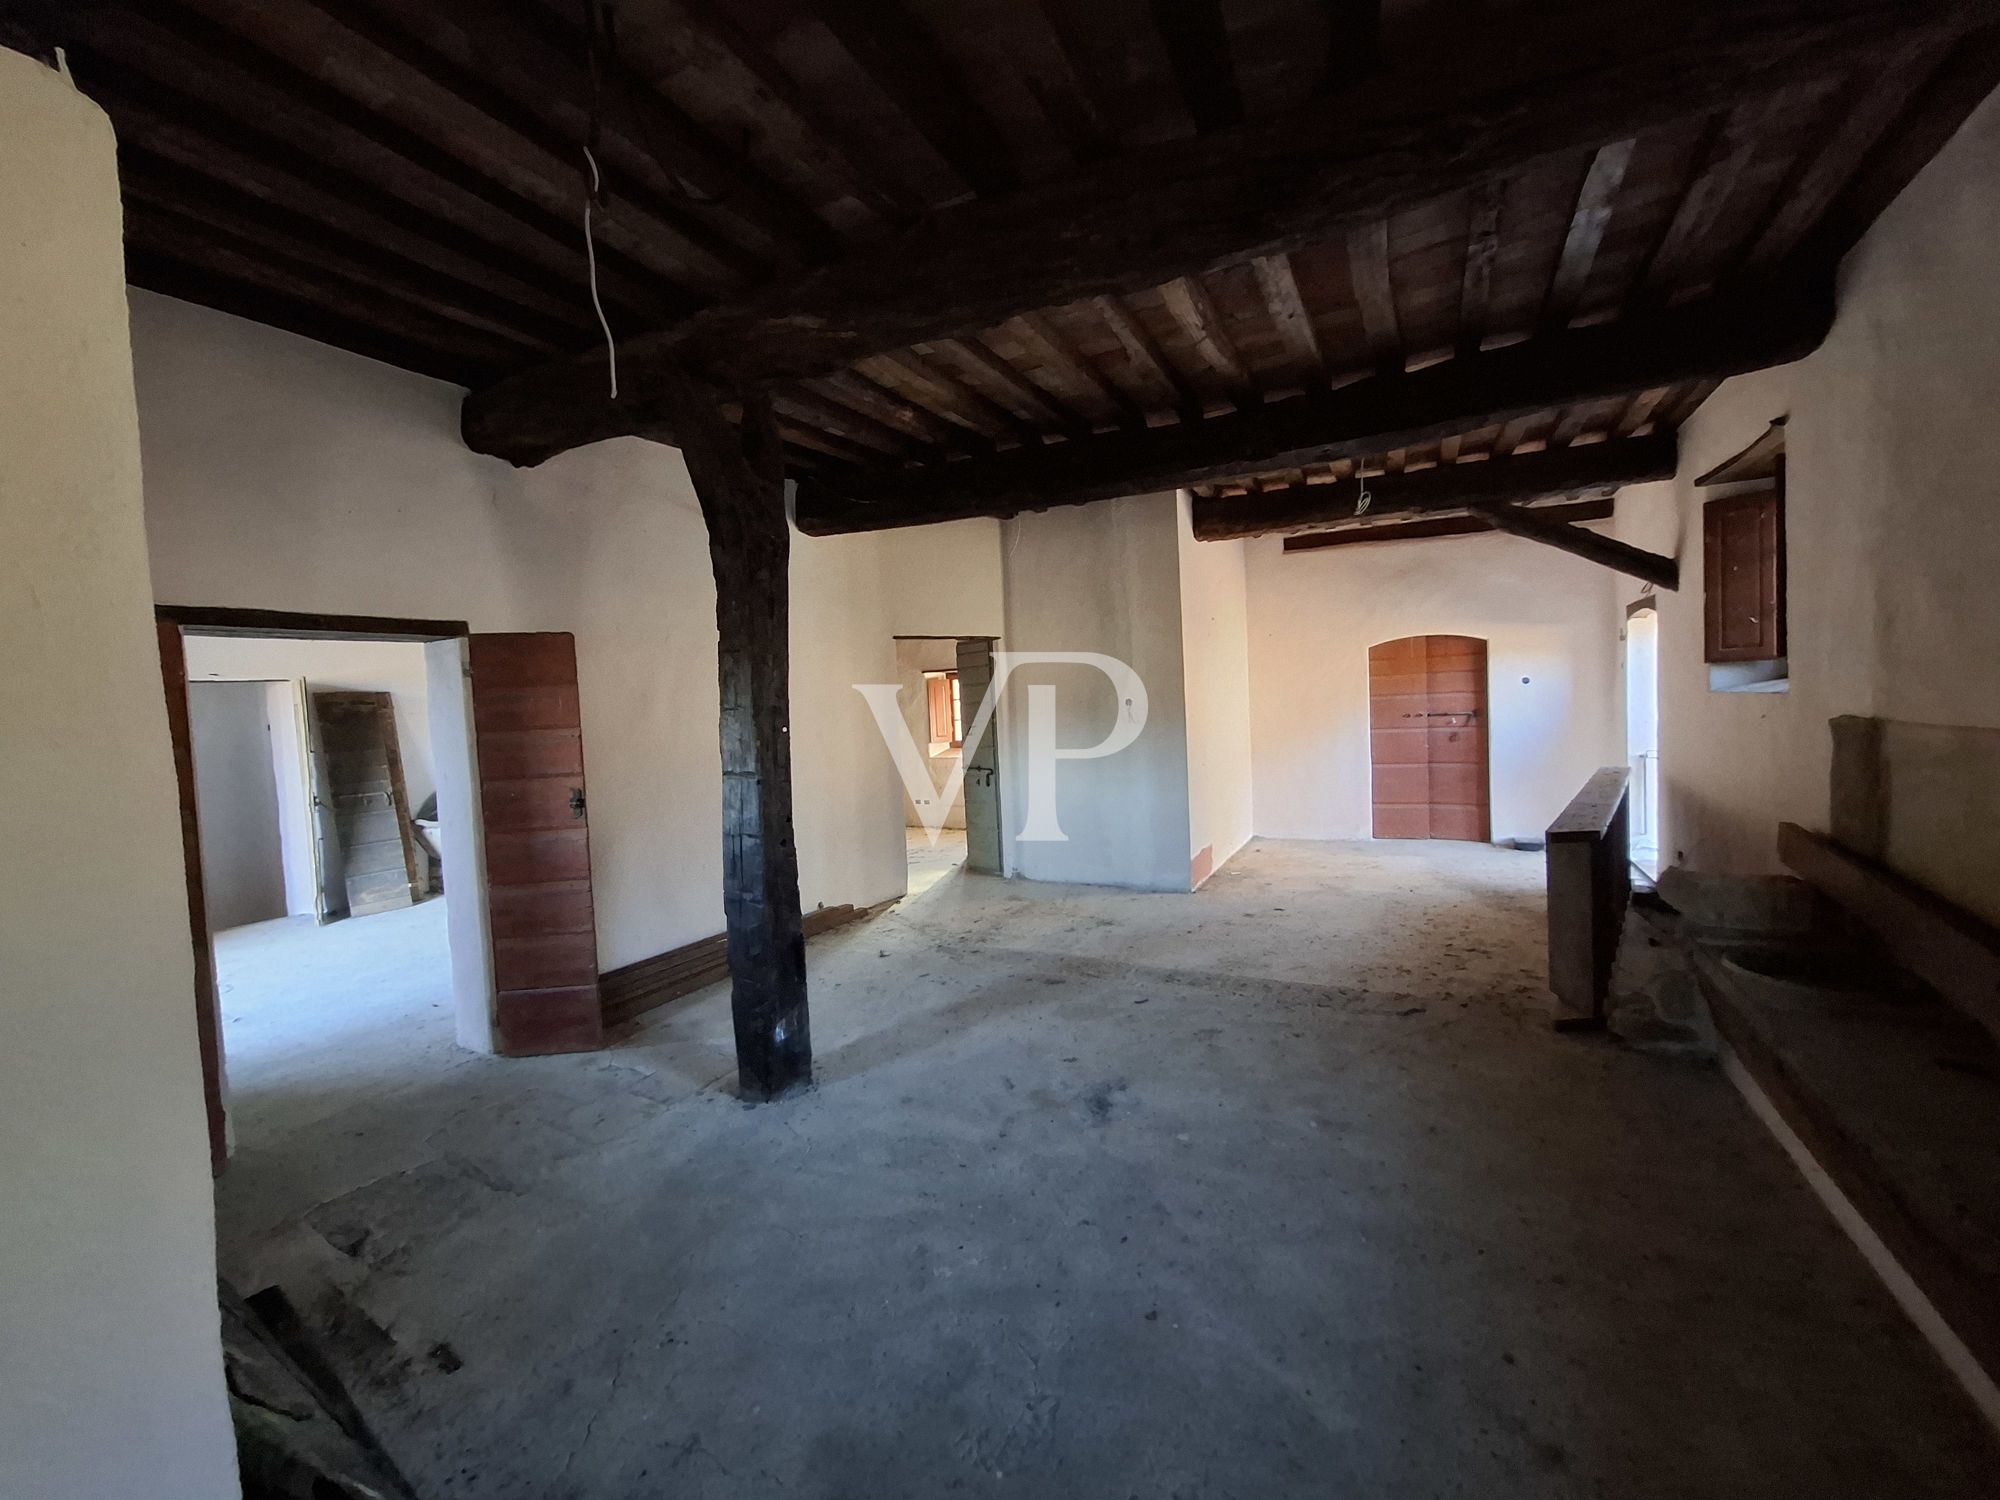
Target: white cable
[{"x": 590, "y": 251}]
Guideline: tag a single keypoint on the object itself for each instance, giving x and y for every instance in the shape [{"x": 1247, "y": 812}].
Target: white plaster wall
[
  {"x": 944, "y": 579},
  {"x": 236, "y": 791},
  {"x": 1546, "y": 617},
  {"x": 1215, "y": 647},
  {"x": 392, "y": 667},
  {"x": 283, "y": 474},
  {"x": 1103, "y": 578},
  {"x": 110, "y": 1359},
  {"x": 1892, "y": 523}
]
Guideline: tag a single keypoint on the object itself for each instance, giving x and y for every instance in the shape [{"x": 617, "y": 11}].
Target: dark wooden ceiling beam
[
  {"x": 1591, "y": 546},
  {"x": 957, "y": 398},
  {"x": 703, "y": 38},
  {"x": 1734, "y": 140},
  {"x": 195, "y": 242},
  {"x": 269, "y": 170},
  {"x": 980, "y": 363},
  {"x": 809, "y": 408},
  {"x": 152, "y": 187},
  {"x": 1960, "y": 85},
  {"x": 1187, "y": 299},
  {"x": 1052, "y": 348},
  {"x": 1482, "y": 249},
  {"x": 542, "y": 64},
  {"x": 1437, "y": 528},
  {"x": 1860, "y": 118},
  {"x": 1170, "y": 387},
  {"x": 1588, "y": 221},
  {"x": 1556, "y": 471},
  {"x": 1375, "y": 294},
  {"x": 1197, "y": 41},
  {"x": 1186, "y": 207},
  {"x": 141, "y": 71},
  {"x": 1290, "y": 316},
  {"x": 924, "y": 82},
  {"x": 371, "y": 59},
  {"x": 155, "y": 271},
  {"x": 1067, "y": 93},
  {"x": 911, "y": 418},
  {"x": 1716, "y": 338}
]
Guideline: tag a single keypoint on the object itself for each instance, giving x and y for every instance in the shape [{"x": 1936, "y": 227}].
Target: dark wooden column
[{"x": 739, "y": 478}]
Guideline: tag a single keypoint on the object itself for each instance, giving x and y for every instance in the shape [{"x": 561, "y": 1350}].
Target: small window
[
  {"x": 1743, "y": 570},
  {"x": 947, "y": 710}
]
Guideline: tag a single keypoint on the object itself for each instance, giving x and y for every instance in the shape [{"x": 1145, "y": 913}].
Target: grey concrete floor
[
  {"x": 932, "y": 859},
  {"x": 1283, "y": 1188}
]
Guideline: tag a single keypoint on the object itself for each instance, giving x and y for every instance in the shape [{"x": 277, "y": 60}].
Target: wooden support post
[{"x": 740, "y": 482}]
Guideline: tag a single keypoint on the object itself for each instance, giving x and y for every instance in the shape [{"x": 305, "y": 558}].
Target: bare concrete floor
[
  {"x": 932, "y": 859},
  {"x": 1284, "y": 1188}
]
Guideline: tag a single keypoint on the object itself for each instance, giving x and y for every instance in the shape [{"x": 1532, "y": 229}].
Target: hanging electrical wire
[{"x": 599, "y": 24}]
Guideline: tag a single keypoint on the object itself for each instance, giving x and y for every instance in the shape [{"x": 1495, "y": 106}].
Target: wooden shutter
[
  {"x": 529, "y": 735},
  {"x": 1743, "y": 577},
  {"x": 938, "y": 687}
]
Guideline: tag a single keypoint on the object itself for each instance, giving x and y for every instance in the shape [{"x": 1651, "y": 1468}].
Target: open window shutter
[{"x": 938, "y": 686}]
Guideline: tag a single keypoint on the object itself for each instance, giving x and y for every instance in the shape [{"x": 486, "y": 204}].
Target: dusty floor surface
[
  {"x": 1284, "y": 1188},
  {"x": 931, "y": 860}
]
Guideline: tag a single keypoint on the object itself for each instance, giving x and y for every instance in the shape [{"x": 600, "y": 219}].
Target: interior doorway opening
[
  {"x": 323, "y": 871},
  {"x": 942, "y": 680},
  {"x": 1642, "y": 732},
  {"x": 507, "y": 838},
  {"x": 1428, "y": 736}
]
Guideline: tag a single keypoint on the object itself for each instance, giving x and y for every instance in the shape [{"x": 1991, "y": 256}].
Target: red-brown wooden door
[
  {"x": 1427, "y": 738},
  {"x": 529, "y": 739}
]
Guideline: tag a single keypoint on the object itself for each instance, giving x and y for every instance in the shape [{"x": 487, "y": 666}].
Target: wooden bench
[{"x": 1589, "y": 884}]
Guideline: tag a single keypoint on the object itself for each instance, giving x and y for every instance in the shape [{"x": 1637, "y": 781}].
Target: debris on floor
[{"x": 299, "y": 1436}]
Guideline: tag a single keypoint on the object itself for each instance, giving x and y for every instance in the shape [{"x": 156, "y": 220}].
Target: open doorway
[
  {"x": 942, "y": 681},
  {"x": 322, "y": 863},
  {"x": 1642, "y": 732},
  {"x": 344, "y": 791}
]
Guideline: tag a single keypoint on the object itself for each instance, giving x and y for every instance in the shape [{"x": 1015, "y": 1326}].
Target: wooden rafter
[
  {"x": 1201, "y": 320},
  {"x": 956, "y": 398},
  {"x": 1482, "y": 248},
  {"x": 1053, "y": 349},
  {"x": 1289, "y": 314},
  {"x": 524, "y": 50},
  {"x": 1375, "y": 294},
  {"x": 1149, "y": 359},
  {"x": 1526, "y": 380},
  {"x": 339, "y": 164},
  {"x": 702, "y": 38},
  {"x": 1594, "y": 202},
  {"x": 1592, "y": 546},
  {"x": 1273, "y": 184},
  {"x": 1299, "y": 508},
  {"x": 1437, "y": 528},
  {"x": 926, "y": 84},
  {"x": 976, "y": 359},
  {"x": 1197, "y": 42}
]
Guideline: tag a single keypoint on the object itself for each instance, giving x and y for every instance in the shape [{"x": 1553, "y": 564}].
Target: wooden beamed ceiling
[{"x": 985, "y": 248}]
